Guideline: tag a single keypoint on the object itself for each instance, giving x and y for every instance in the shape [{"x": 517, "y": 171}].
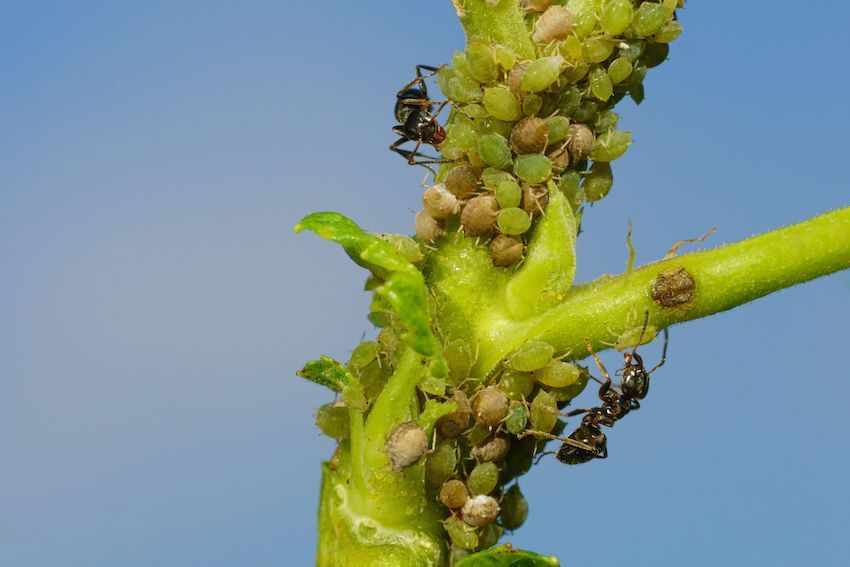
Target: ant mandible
[
  {"x": 588, "y": 441},
  {"x": 416, "y": 123}
]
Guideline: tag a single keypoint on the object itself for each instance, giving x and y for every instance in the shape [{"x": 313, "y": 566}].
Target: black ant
[
  {"x": 416, "y": 123},
  {"x": 588, "y": 441}
]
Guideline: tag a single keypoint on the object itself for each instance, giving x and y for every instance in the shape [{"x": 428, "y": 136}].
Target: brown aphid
[
  {"x": 453, "y": 494},
  {"x": 536, "y": 5},
  {"x": 493, "y": 450},
  {"x": 439, "y": 202},
  {"x": 673, "y": 288},
  {"x": 480, "y": 510},
  {"x": 506, "y": 250},
  {"x": 490, "y": 406},
  {"x": 560, "y": 158},
  {"x": 530, "y": 135},
  {"x": 406, "y": 445},
  {"x": 555, "y": 24},
  {"x": 427, "y": 228},
  {"x": 514, "y": 78},
  {"x": 452, "y": 425},
  {"x": 478, "y": 217},
  {"x": 534, "y": 198},
  {"x": 462, "y": 181},
  {"x": 580, "y": 141}
]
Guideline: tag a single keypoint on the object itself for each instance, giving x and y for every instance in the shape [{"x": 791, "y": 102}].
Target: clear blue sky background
[{"x": 154, "y": 303}]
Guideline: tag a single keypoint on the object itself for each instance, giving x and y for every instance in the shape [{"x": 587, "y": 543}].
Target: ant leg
[
  {"x": 440, "y": 108},
  {"x": 663, "y": 353},
  {"x": 576, "y": 412},
  {"x": 410, "y": 155},
  {"x": 642, "y": 331},
  {"x": 420, "y": 78},
  {"x": 634, "y": 404},
  {"x": 606, "y": 386},
  {"x": 565, "y": 440}
]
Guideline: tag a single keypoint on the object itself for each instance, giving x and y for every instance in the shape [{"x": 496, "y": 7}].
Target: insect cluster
[
  {"x": 475, "y": 437},
  {"x": 522, "y": 128}
]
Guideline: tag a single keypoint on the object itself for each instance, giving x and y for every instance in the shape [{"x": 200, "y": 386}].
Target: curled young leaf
[
  {"x": 550, "y": 264},
  {"x": 403, "y": 286},
  {"x": 506, "y": 556},
  {"x": 327, "y": 372}
]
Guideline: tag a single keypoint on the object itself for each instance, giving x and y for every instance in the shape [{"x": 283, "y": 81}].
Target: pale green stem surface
[{"x": 724, "y": 278}]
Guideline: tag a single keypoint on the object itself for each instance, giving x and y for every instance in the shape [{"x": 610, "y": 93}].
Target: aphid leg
[
  {"x": 566, "y": 440},
  {"x": 606, "y": 386},
  {"x": 663, "y": 353}
]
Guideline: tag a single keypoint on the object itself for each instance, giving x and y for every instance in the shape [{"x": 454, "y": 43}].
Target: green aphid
[
  {"x": 509, "y": 194},
  {"x": 610, "y": 145},
  {"x": 669, "y": 32},
  {"x": 514, "y": 508},
  {"x": 557, "y": 374},
  {"x": 513, "y": 221},
  {"x": 600, "y": 84},
  {"x": 541, "y": 73},
  {"x": 619, "y": 70},
  {"x": 530, "y": 356},
  {"x": 502, "y": 104},
  {"x": 533, "y": 168},
  {"x": 492, "y": 178},
  {"x": 462, "y": 535},
  {"x": 494, "y": 151},
  {"x": 570, "y": 185},
  {"x": 516, "y": 385},
  {"x": 598, "y": 182},
  {"x": 363, "y": 354},
  {"x": 517, "y": 419},
  {"x": 596, "y": 49},
  {"x": 559, "y": 127},
  {"x": 441, "y": 463},
  {"x": 333, "y": 421},
  {"x": 648, "y": 19},
  {"x": 544, "y": 412},
  {"x": 617, "y": 16},
  {"x": 483, "y": 479},
  {"x": 481, "y": 62}
]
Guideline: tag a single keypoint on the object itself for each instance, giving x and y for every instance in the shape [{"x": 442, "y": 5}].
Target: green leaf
[
  {"x": 550, "y": 266},
  {"x": 506, "y": 556},
  {"x": 327, "y": 372},
  {"x": 403, "y": 286}
]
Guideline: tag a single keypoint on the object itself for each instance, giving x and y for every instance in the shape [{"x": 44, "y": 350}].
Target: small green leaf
[
  {"x": 403, "y": 286},
  {"x": 550, "y": 265},
  {"x": 506, "y": 556},
  {"x": 327, "y": 372}
]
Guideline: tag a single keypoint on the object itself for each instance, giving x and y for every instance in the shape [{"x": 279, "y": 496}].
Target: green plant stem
[
  {"x": 724, "y": 278},
  {"x": 503, "y": 23}
]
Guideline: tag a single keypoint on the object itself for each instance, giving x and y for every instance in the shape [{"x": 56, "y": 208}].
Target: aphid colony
[
  {"x": 475, "y": 437},
  {"x": 520, "y": 129}
]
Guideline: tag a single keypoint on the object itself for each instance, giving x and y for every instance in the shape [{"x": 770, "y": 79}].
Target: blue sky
[{"x": 154, "y": 302}]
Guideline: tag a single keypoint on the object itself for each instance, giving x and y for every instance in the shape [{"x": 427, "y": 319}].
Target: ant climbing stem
[{"x": 416, "y": 123}]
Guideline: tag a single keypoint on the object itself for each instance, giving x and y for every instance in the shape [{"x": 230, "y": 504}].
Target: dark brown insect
[{"x": 416, "y": 123}]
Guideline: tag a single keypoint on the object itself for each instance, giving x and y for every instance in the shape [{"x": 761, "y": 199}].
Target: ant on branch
[
  {"x": 588, "y": 441},
  {"x": 416, "y": 123}
]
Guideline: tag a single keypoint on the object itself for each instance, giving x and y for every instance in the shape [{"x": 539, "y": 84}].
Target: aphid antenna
[
  {"x": 675, "y": 248},
  {"x": 566, "y": 440}
]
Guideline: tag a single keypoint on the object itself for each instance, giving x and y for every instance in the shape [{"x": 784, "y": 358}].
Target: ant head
[{"x": 434, "y": 133}]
